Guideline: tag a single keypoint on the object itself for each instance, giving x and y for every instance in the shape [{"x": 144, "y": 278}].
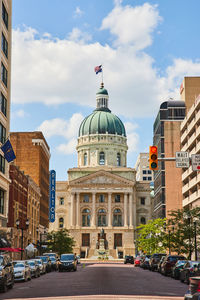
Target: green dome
[
  {"x": 102, "y": 121},
  {"x": 102, "y": 91}
]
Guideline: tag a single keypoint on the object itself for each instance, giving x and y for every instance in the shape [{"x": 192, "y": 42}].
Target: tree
[
  {"x": 60, "y": 241},
  {"x": 183, "y": 223},
  {"x": 151, "y": 237}
]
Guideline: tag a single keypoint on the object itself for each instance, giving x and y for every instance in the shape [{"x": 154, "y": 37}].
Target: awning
[{"x": 11, "y": 249}]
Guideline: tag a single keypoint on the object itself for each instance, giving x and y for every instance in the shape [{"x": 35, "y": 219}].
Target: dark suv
[
  {"x": 6, "y": 272},
  {"x": 67, "y": 262},
  {"x": 169, "y": 262},
  {"x": 129, "y": 259},
  {"x": 154, "y": 261}
]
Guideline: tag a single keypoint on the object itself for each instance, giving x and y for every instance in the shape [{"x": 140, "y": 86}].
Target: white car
[{"x": 22, "y": 270}]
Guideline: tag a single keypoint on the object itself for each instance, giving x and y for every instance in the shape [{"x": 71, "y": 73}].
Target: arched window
[
  {"x": 118, "y": 159},
  {"x": 102, "y": 158},
  {"x": 101, "y": 217},
  {"x": 117, "y": 217},
  {"x": 85, "y": 159},
  {"x": 143, "y": 220},
  {"x": 86, "y": 217},
  {"x": 61, "y": 222}
]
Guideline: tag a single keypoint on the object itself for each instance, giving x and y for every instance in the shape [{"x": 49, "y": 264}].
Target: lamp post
[
  {"x": 187, "y": 217},
  {"x": 22, "y": 234},
  {"x": 195, "y": 238}
]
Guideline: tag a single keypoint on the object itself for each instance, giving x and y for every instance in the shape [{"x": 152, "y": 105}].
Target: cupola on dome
[{"x": 102, "y": 121}]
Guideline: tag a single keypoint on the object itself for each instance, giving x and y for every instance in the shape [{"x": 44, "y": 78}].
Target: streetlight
[
  {"x": 187, "y": 217},
  {"x": 195, "y": 238},
  {"x": 22, "y": 234}
]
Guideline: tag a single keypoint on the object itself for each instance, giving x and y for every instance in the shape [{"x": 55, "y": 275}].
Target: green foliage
[
  {"x": 60, "y": 241},
  {"x": 182, "y": 225},
  {"x": 151, "y": 237}
]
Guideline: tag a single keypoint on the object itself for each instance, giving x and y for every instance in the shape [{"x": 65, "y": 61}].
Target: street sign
[
  {"x": 182, "y": 160},
  {"x": 195, "y": 162}
]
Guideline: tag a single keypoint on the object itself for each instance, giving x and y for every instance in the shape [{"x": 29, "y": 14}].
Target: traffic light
[{"x": 153, "y": 158}]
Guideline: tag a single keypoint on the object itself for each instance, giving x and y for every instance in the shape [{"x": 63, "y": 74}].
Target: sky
[{"x": 146, "y": 48}]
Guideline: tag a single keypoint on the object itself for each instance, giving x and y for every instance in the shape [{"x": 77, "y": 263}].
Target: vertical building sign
[{"x": 52, "y": 195}]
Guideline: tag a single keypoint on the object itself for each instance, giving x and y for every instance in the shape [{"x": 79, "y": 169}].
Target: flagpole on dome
[{"x": 102, "y": 85}]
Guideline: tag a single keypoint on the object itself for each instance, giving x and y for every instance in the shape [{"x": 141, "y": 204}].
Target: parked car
[
  {"x": 169, "y": 262},
  {"x": 137, "y": 261},
  {"x": 67, "y": 262},
  {"x": 54, "y": 264},
  {"x": 50, "y": 254},
  {"x": 41, "y": 264},
  {"x": 128, "y": 259},
  {"x": 6, "y": 273},
  {"x": 160, "y": 263},
  {"x": 46, "y": 260},
  {"x": 190, "y": 269},
  {"x": 22, "y": 270},
  {"x": 35, "y": 269},
  {"x": 177, "y": 268},
  {"x": 194, "y": 289},
  {"x": 144, "y": 263},
  {"x": 154, "y": 261}
]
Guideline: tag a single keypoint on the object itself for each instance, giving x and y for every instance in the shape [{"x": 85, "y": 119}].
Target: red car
[{"x": 137, "y": 261}]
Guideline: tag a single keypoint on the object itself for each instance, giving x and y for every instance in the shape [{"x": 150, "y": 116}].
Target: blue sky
[{"x": 146, "y": 49}]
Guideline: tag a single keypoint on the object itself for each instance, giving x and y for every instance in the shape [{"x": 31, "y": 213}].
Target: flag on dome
[{"x": 98, "y": 69}]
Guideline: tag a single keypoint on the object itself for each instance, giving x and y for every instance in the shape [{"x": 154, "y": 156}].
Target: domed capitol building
[{"x": 102, "y": 192}]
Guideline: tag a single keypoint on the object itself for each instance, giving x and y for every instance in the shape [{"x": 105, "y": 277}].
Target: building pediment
[{"x": 101, "y": 178}]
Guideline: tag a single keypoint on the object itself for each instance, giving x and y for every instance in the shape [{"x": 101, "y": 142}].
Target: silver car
[
  {"x": 41, "y": 264},
  {"x": 35, "y": 270},
  {"x": 22, "y": 270}
]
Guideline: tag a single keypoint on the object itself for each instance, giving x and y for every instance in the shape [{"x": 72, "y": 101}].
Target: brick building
[{"x": 32, "y": 156}]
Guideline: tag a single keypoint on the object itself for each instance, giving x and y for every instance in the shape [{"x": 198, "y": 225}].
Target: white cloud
[
  {"x": 132, "y": 25},
  {"x": 19, "y": 113},
  {"x": 132, "y": 141},
  {"x": 69, "y": 148},
  {"x": 78, "y": 12},
  {"x": 78, "y": 36},
  {"x": 61, "y": 127}
]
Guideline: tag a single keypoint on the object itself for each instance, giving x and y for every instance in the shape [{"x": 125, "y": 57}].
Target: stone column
[
  {"x": 134, "y": 210},
  {"x": 131, "y": 210},
  {"x": 93, "y": 209},
  {"x": 77, "y": 210},
  {"x": 125, "y": 210},
  {"x": 109, "y": 210},
  {"x": 72, "y": 209}
]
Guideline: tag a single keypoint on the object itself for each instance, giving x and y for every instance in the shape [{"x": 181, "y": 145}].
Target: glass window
[
  {"x": 117, "y": 217},
  {"x": 3, "y": 104},
  {"x": 2, "y": 195},
  {"x": 149, "y": 178},
  {"x": 85, "y": 239},
  {"x": 86, "y": 198},
  {"x": 4, "y": 45},
  {"x": 4, "y": 74},
  {"x": 101, "y": 198},
  {"x": 118, "y": 159},
  {"x": 4, "y": 15},
  {"x": 2, "y": 134},
  {"x": 86, "y": 217},
  {"x": 144, "y": 172},
  {"x": 149, "y": 171},
  {"x": 117, "y": 198},
  {"x": 102, "y": 158},
  {"x": 101, "y": 217},
  {"x": 142, "y": 201},
  {"x": 61, "y": 222},
  {"x": 2, "y": 164},
  {"x": 85, "y": 159},
  {"x": 62, "y": 201},
  {"x": 143, "y": 220},
  {"x": 144, "y": 178}
]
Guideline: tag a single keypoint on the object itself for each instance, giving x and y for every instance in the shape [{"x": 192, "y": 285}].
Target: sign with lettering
[
  {"x": 195, "y": 162},
  {"x": 52, "y": 195},
  {"x": 182, "y": 159}
]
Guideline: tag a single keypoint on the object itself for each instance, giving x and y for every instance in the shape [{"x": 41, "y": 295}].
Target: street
[{"x": 99, "y": 280}]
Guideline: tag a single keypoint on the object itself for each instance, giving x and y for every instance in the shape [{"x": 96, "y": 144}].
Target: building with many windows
[
  {"x": 143, "y": 173},
  {"x": 5, "y": 61},
  {"x": 102, "y": 192},
  {"x": 167, "y": 180}
]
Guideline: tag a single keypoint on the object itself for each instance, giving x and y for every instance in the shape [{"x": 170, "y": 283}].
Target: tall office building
[
  {"x": 5, "y": 60},
  {"x": 32, "y": 156},
  {"x": 143, "y": 173},
  {"x": 167, "y": 180},
  {"x": 189, "y": 90}
]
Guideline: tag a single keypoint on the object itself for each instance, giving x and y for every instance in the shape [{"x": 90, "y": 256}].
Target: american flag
[{"x": 98, "y": 69}]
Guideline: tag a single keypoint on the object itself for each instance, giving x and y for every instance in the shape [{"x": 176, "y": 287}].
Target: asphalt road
[{"x": 100, "y": 280}]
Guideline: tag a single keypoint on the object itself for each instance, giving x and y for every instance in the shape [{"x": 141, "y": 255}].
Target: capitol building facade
[{"x": 102, "y": 192}]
